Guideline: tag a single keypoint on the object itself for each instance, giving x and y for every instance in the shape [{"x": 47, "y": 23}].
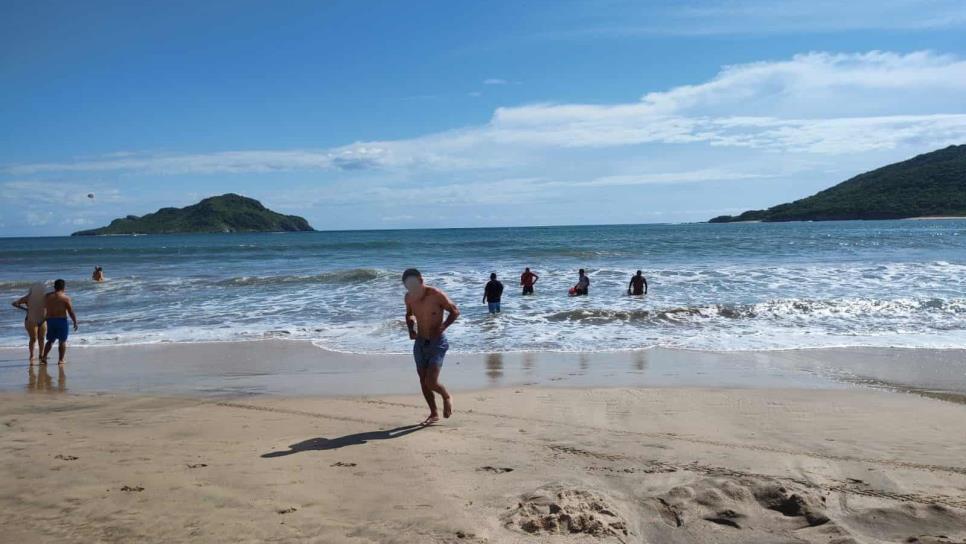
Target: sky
[{"x": 383, "y": 115}]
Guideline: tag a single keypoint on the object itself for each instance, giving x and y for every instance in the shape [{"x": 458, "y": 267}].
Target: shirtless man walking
[
  {"x": 58, "y": 308},
  {"x": 424, "y": 318}
]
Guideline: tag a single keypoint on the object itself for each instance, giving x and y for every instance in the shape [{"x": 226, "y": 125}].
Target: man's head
[
  {"x": 639, "y": 272},
  {"x": 412, "y": 279},
  {"x": 493, "y": 275},
  {"x": 581, "y": 271},
  {"x": 60, "y": 285},
  {"x": 527, "y": 270}
]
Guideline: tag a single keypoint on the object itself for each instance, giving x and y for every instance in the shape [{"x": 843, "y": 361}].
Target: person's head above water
[
  {"x": 527, "y": 269},
  {"x": 581, "y": 271},
  {"x": 412, "y": 279},
  {"x": 493, "y": 275},
  {"x": 60, "y": 285},
  {"x": 639, "y": 272}
]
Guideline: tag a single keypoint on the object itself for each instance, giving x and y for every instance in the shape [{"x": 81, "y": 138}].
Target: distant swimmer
[
  {"x": 527, "y": 279},
  {"x": 98, "y": 274},
  {"x": 424, "y": 318},
  {"x": 583, "y": 284},
  {"x": 33, "y": 304},
  {"x": 492, "y": 294},
  {"x": 58, "y": 307},
  {"x": 638, "y": 284}
]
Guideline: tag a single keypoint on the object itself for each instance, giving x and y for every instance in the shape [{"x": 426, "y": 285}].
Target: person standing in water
[
  {"x": 638, "y": 284},
  {"x": 492, "y": 294},
  {"x": 98, "y": 274},
  {"x": 424, "y": 319},
  {"x": 583, "y": 284},
  {"x": 33, "y": 304},
  {"x": 58, "y": 307},
  {"x": 527, "y": 279}
]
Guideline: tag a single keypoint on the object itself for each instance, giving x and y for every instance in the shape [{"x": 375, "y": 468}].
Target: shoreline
[{"x": 297, "y": 367}]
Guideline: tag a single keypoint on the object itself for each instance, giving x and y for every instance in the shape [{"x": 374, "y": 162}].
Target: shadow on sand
[{"x": 320, "y": 444}]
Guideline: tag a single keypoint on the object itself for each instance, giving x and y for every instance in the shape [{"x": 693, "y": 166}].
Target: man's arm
[
  {"x": 70, "y": 312},
  {"x": 645, "y": 285},
  {"x": 19, "y": 303},
  {"x": 410, "y": 321},
  {"x": 535, "y": 278},
  {"x": 484, "y": 295},
  {"x": 453, "y": 312}
]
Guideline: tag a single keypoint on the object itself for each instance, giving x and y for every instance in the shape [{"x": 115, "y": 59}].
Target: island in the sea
[
  {"x": 225, "y": 213},
  {"x": 928, "y": 185}
]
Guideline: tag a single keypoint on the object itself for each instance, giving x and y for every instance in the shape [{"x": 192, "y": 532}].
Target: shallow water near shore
[{"x": 712, "y": 287}]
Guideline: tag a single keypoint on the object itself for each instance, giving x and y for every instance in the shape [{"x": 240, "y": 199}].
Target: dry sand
[{"x": 532, "y": 465}]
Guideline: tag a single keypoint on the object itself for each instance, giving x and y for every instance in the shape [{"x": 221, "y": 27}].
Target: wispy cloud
[
  {"x": 816, "y": 103},
  {"x": 628, "y": 19},
  {"x": 495, "y": 81}
]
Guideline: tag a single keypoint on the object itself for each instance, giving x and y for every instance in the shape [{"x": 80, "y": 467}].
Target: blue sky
[{"x": 457, "y": 114}]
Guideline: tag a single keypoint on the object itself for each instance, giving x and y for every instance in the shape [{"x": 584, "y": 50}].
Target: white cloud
[
  {"x": 38, "y": 218},
  {"x": 818, "y": 103},
  {"x": 495, "y": 81},
  {"x": 58, "y": 193}
]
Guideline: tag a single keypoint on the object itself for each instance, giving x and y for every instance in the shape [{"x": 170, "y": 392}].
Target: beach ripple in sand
[{"x": 727, "y": 510}]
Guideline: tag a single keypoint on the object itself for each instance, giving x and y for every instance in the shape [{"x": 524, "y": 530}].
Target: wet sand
[
  {"x": 283, "y": 442},
  {"x": 283, "y": 367}
]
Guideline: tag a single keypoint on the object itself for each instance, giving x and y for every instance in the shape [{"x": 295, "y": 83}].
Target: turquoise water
[{"x": 727, "y": 287}]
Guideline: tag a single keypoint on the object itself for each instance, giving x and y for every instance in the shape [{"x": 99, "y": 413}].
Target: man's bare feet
[
  {"x": 61, "y": 362},
  {"x": 448, "y": 406},
  {"x": 43, "y": 360},
  {"x": 433, "y": 418}
]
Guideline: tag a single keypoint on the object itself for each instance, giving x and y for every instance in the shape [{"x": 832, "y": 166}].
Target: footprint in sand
[
  {"x": 495, "y": 470},
  {"x": 341, "y": 464},
  {"x": 135, "y": 489},
  {"x": 287, "y": 510},
  {"x": 197, "y": 465},
  {"x": 65, "y": 457}
]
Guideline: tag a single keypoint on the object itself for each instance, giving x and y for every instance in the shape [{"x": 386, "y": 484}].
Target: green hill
[
  {"x": 225, "y": 213},
  {"x": 932, "y": 184}
]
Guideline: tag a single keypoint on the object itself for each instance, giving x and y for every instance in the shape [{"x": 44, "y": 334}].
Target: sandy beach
[{"x": 810, "y": 461}]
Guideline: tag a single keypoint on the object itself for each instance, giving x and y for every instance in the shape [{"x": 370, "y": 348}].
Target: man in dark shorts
[
  {"x": 583, "y": 284},
  {"x": 58, "y": 307},
  {"x": 424, "y": 318},
  {"x": 492, "y": 294},
  {"x": 638, "y": 284},
  {"x": 527, "y": 279}
]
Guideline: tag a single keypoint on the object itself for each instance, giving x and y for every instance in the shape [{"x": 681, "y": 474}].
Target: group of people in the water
[{"x": 493, "y": 291}]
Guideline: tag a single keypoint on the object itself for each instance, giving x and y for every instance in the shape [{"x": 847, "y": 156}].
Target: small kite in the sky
[{"x": 90, "y": 195}]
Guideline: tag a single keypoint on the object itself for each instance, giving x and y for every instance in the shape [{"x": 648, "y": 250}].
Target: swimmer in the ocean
[{"x": 638, "y": 284}]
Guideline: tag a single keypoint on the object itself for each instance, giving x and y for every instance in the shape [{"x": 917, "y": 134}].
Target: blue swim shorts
[
  {"x": 57, "y": 329},
  {"x": 429, "y": 352},
  {"x": 493, "y": 307}
]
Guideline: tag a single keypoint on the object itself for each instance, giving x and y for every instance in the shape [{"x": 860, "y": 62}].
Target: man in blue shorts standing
[
  {"x": 425, "y": 306},
  {"x": 492, "y": 294},
  {"x": 58, "y": 307}
]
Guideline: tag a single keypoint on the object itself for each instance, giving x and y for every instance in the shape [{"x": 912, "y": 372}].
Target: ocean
[{"x": 712, "y": 287}]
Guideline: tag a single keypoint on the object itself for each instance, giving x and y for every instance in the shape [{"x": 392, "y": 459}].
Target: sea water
[{"x": 712, "y": 287}]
